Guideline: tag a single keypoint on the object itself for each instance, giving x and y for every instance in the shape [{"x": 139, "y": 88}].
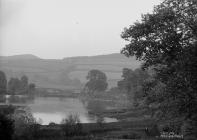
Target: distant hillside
[
  {"x": 68, "y": 72},
  {"x": 20, "y": 57}
]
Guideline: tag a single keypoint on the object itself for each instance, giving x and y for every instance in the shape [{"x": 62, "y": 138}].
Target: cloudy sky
[{"x": 64, "y": 28}]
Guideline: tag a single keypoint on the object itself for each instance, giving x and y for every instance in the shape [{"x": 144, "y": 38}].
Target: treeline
[
  {"x": 131, "y": 84},
  {"x": 15, "y": 85}
]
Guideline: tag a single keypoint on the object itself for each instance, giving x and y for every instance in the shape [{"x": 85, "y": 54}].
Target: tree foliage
[
  {"x": 166, "y": 40},
  {"x": 3, "y": 82},
  {"x": 6, "y": 122},
  {"x": 71, "y": 126},
  {"x": 31, "y": 88},
  {"x": 97, "y": 81},
  {"x": 132, "y": 82},
  {"x": 24, "y": 82},
  {"x": 20, "y": 86},
  {"x": 23, "y": 120},
  {"x": 13, "y": 85},
  {"x": 6, "y": 127}
]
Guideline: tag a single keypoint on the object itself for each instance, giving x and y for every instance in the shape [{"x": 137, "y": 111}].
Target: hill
[
  {"x": 20, "y": 57},
  {"x": 68, "y": 72}
]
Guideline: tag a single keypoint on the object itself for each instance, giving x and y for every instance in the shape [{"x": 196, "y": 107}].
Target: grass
[{"x": 115, "y": 130}]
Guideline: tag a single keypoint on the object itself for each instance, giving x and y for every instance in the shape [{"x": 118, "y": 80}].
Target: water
[{"x": 54, "y": 109}]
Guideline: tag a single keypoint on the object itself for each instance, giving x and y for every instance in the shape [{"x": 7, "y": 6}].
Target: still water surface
[{"x": 54, "y": 109}]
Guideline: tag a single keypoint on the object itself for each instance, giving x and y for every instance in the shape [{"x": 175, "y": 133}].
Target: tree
[
  {"x": 31, "y": 88},
  {"x": 128, "y": 79},
  {"x": 20, "y": 86},
  {"x": 24, "y": 83},
  {"x": 132, "y": 82},
  {"x": 71, "y": 126},
  {"x": 14, "y": 85},
  {"x": 97, "y": 81},
  {"x": 25, "y": 124},
  {"x": 3, "y": 83},
  {"x": 166, "y": 41}
]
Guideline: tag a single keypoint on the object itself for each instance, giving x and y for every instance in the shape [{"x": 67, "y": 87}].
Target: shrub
[
  {"x": 131, "y": 136},
  {"x": 52, "y": 124},
  {"x": 71, "y": 126},
  {"x": 100, "y": 120},
  {"x": 153, "y": 131}
]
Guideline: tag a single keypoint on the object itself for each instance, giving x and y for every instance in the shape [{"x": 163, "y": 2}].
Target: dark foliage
[
  {"x": 71, "y": 126},
  {"x": 6, "y": 127},
  {"x": 132, "y": 82},
  {"x": 166, "y": 41},
  {"x": 20, "y": 86},
  {"x": 3, "y": 83},
  {"x": 97, "y": 81}
]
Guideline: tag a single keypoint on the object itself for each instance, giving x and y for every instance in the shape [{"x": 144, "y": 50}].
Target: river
[{"x": 55, "y": 109}]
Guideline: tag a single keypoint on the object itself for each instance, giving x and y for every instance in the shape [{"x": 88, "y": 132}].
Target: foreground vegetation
[{"x": 24, "y": 127}]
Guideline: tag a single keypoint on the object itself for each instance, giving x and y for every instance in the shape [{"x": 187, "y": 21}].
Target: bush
[
  {"x": 153, "y": 131},
  {"x": 52, "y": 124},
  {"x": 131, "y": 136},
  {"x": 189, "y": 130},
  {"x": 71, "y": 126},
  {"x": 26, "y": 127},
  {"x": 100, "y": 120},
  {"x": 172, "y": 127}
]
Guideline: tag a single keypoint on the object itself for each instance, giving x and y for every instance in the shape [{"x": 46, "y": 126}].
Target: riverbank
[
  {"x": 105, "y": 131},
  {"x": 124, "y": 114},
  {"x": 124, "y": 129}
]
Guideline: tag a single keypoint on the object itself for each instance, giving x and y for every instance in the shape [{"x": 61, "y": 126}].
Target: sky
[{"x": 56, "y": 29}]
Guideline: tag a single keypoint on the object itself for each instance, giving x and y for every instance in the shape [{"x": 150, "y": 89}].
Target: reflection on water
[{"x": 54, "y": 109}]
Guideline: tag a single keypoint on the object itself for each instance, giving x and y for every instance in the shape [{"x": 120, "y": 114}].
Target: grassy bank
[
  {"x": 142, "y": 129},
  {"x": 115, "y": 130}
]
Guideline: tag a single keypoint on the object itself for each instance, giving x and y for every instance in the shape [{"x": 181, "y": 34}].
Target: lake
[{"x": 54, "y": 109}]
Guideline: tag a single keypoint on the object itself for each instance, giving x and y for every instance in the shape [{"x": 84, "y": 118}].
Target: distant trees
[
  {"x": 132, "y": 82},
  {"x": 20, "y": 86},
  {"x": 127, "y": 81},
  {"x": 24, "y": 83},
  {"x": 31, "y": 88},
  {"x": 3, "y": 83},
  {"x": 166, "y": 41},
  {"x": 97, "y": 81},
  {"x": 15, "y": 85}
]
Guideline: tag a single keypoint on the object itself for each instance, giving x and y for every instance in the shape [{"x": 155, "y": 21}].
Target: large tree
[
  {"x": 3, "y": 83},
  {"x": 166, "y": 40},
  {"x": 97, "y": 81}
]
